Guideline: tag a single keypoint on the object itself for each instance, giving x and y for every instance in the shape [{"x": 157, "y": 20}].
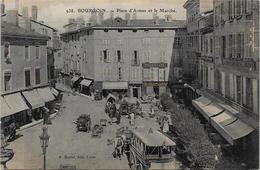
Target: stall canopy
[
  {"x": 14, "y": 104},
  {"x": 75, "y": 78},
  {"x": 54, "y": 91},
  {"x": 33, "y": 98},
  {"x": 115, "y": 85},
  {"x": 86, "y": 82},
  {"x": 46, "y": 94}
]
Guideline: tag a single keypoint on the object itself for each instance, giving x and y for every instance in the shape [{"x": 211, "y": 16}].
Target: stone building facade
[{"x": 122, "y": 54}]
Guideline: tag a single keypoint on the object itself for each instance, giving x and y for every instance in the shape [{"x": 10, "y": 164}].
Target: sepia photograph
[{"x": 129, "y": 84}]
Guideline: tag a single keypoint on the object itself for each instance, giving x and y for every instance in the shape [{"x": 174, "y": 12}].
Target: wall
[{"x": 19, "y": 64}]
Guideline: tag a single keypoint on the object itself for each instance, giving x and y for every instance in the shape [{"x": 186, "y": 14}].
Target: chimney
[
  {"x": 134, "y": 16},
  {"x": 154, "y": 15},
  {"x": 16, "y": 5},
  {"x": 34, "y": 12},
  {"x": 80, "y": 22},
  {"x": 12, "y": 17},
  {"x": 93, "y": 18},
  {"x": 100, "y": 17},
  {"x": 156, "y": 20},
  {"x": 3, "y": 7},
  {"x": 168, "y": 18},
  {"x": 25, "y": 12},
  {"x": 71, "y": 20},
  {"x": 28, "y": 25},
  {"x": 111, "y": 15},
  {"x": 127, "y": 18}
]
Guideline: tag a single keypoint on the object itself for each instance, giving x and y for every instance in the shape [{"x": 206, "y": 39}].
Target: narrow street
[{"x": 66, "y": 145}]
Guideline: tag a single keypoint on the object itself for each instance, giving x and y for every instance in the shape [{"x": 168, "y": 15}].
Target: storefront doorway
[
  {"x": 135, "y": 92},
  {"x": 156, "y": 90}
]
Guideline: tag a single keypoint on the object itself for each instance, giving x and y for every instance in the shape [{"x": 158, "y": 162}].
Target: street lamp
[
  {"x": 44, "y": 138},
  {"x": 186, "y": 85}
]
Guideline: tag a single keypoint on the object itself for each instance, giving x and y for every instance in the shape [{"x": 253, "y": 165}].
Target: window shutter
[
  {"x": 122, "y": 56},
  {"x": 101, "y": 56},
  {"x": 234, "y": 46},
  {"x": 108, "y": 56},
  {"x": 242, "y": 45},
  {"x": 115, "y": 56}
]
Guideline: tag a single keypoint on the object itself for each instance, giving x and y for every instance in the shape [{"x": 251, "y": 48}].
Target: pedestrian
[
  {"x": 166, "y": 126},
  {"x": 132, "y": 119},
  {"x": 118, "y": 117},
  {"x": 118, "y": 146}
]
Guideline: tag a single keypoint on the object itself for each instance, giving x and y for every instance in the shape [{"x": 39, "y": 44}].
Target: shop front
[
  {"x": 154, "y": 87},
  {"x": 135, "y": 90},
  {"x": 47, "y": 96},
  {"x": 35, "y": 102},
  {"x": 121, "y": 88},
  {"x": 14, "y": 108}
]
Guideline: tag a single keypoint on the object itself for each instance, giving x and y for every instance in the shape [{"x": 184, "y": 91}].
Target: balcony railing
[{"x": 238, "y": 62}]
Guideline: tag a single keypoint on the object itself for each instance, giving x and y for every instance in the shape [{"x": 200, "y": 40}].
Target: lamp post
[{"x": 44, "y": 138}]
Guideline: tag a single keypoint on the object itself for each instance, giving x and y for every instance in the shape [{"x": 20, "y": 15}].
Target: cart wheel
[{"x": 139, "y": 166}]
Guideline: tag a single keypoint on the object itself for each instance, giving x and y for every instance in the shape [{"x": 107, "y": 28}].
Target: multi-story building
[
  {"x": 194, "y": 10},
  {"x": 24, "y": 89},
  {"x": 122, "y": 54},
  {"x": 206, "y": 62},
  {"x": 230, "y": 103},
  {"x": 31, "y": 23}
]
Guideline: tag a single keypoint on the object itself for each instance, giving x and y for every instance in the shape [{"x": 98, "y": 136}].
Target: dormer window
[
  {"x": 105, "y": 30},
  {"x": 134, "y": 30}
]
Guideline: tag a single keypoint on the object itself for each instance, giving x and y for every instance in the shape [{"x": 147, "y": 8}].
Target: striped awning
[
  {"x": 14, "y": 104},
  {"x": 5, "y": 109},
  {"x": 33, "y": 98},
  {"x": 46, "y": 94}
]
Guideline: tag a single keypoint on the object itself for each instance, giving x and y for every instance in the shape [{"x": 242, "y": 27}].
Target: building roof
[
  {"x": 35, "y": 22},
  {"x": 8, "y": 29},
  {"x": 153, "y": 137},
  {"x": 119, "y": 23},
  {"x": 44, "y": 25}
]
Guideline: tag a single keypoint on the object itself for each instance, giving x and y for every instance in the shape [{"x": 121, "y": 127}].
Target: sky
[{"x": 56, "y": 13}]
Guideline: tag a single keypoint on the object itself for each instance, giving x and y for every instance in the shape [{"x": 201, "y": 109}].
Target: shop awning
[
  {"x": 75, "y": 78},
  {"x": 34, "y": 98},
  {"x": 15, "y": 102},
  {"x": 230, "y": 127},
  {"x": 46, "y": 94},
  {"x": 115, "y": 85},
  {"x": 54, "y": 91},
  {"x": 86, "y": 82},
  {"x": 5, "y": 109},
  {"x": 206, "y": 107}
]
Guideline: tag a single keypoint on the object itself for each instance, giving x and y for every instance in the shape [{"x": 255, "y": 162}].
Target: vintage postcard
[{"x": 139, "y": 84}]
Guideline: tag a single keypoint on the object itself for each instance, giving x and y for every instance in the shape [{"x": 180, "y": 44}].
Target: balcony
[
  {"x": 248, "y": 63},
  {"x": 135, "y": 62}
]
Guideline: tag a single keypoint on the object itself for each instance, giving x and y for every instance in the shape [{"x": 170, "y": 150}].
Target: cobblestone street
[{"x": 66, "y": 146}]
